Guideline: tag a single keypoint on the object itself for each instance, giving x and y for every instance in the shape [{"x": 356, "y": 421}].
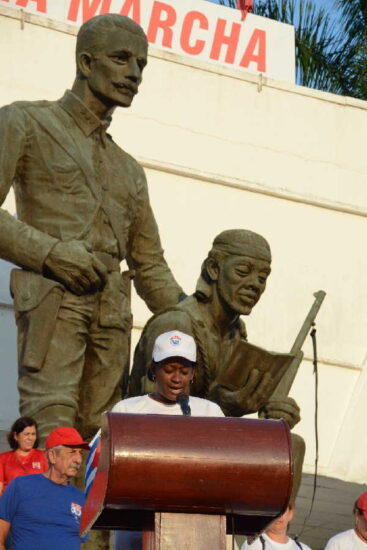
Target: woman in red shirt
[{"x": 24, "y": 458}]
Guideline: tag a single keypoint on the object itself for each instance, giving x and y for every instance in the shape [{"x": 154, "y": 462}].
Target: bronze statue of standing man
[{"x": 82, "y": 206}]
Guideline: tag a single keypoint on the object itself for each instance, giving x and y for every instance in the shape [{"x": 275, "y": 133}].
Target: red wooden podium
[{"x": 186, "y": 481}]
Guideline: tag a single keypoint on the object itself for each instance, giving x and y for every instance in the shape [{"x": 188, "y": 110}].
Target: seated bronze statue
[{"x": 232, "y": 280}]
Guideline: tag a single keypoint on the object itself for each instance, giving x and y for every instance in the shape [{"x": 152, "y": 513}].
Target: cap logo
[{"x": 175, "y": 340}]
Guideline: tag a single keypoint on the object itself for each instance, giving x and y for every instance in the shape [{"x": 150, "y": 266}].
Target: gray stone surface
[
  {"x": 332, "y": 510},
  {"x": 3, "y": 443}
]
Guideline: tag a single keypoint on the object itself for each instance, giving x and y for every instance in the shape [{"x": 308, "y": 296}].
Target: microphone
[{"x": 183, "y": 401}]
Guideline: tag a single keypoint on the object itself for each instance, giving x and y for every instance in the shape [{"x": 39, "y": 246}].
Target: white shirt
[
  {"x": 143, "y": 404},
  {"x": 347, "y": 540},
  {"x": 270, "y": 544}
]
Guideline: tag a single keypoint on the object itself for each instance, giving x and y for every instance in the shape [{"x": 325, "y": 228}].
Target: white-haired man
[{"x": 42, "y": 511}]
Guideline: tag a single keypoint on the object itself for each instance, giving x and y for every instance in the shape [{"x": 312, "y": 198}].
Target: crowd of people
[{"x": 40, "y": 508}]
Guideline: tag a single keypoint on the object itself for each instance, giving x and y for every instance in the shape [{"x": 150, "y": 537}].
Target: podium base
[{"x": 186, "y": 531}]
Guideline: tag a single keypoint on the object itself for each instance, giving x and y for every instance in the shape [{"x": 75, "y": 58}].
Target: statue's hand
[
  {"x": 72, "y": 264},
  {"x": 285, "y": 407},
  {"x": 249, "y": 399}
]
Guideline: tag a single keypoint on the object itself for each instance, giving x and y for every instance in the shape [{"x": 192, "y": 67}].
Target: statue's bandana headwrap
[
  {"x": 242, "y": 242},
  {"x": 236, "y": 242}
]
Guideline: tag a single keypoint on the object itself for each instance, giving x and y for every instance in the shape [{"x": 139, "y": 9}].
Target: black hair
[
  {"x": 18, "y": 426},
  {"x": 357, "y": 509}
]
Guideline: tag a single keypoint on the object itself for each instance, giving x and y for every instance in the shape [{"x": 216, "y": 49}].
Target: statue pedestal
[{"x": 186, "y": 531}]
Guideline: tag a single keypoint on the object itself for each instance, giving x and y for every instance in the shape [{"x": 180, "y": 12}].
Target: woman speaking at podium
[{"x": 172, "y": 371}]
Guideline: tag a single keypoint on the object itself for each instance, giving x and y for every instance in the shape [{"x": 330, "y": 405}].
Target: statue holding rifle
[
  {"x": 232, "y": 280},
  {"x": 240, "y": 377}
]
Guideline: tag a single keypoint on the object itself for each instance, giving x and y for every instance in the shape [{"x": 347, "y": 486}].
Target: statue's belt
[{"x": 111, "y": 263}]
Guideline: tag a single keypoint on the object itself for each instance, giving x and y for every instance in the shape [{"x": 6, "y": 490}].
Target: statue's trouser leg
[
  {"x": 106, "y": 354},
  {"x": 98, "y": 540},
  {"x": 298, "y": 451},
  {"x": 83, "y": 365}
]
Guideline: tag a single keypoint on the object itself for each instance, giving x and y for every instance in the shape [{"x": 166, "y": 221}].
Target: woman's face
[
  {"x": 26, "y": 439},
  {"x": 172, "y": 379}
]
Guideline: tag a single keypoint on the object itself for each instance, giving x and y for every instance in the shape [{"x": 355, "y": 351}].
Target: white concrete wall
[
  {"x": 223, "y": 150},
  {"x": 8, "y": 360}
]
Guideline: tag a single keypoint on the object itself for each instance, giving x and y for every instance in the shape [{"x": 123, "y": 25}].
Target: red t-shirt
[{"x": 12, "y": 465}]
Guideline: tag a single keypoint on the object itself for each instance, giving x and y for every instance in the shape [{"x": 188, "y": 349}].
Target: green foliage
[
  {"x": 353, "y": 60},
  {"x": 329, "y": 57},
  {"x": 316, "y": 42},
  {"x": 229, "y": 3}
]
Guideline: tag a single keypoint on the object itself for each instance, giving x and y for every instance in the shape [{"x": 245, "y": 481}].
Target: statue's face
[
  {"x": 116, "y": 71},
  {"x": 241, "y": 281}
]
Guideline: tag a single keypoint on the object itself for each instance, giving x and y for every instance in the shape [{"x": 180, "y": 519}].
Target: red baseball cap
[
  {"x": 65, "y": 436},
  {"x": 362, "y": 504}
]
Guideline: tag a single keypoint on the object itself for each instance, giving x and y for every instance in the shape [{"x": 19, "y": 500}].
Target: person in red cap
[
  {"x": 353, "y": 539},
  {"x": 43, "y": 511}
]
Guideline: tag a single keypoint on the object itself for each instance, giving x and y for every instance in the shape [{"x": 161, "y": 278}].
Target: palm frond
[
  {"x": 316, "y": 42},
  {"x": 330, "y": 57}
]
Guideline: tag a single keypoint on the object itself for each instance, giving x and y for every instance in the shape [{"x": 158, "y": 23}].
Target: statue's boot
[{"x": 98, "y": 540}]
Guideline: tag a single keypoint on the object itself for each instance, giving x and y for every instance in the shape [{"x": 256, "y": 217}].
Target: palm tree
[
  {"x": 316, "y": 42},
  {"x": 229, "y": 3},
  {"x": 329, "y": 57},
  {"x": 353, "y": 60}
]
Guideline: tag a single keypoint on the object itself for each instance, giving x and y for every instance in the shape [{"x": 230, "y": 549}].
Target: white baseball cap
[{"x": 174, "y": 344}]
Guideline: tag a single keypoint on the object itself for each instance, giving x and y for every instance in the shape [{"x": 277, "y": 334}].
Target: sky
[{"x": 326, "y": 4}]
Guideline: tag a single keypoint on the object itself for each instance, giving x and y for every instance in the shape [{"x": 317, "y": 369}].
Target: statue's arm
[
  {"x": 153, "y": 281},
  {"x": 70, "y": 263},
  {"x": 255, "y": 396},
  {"x": 20, "y": 243},
  {"x": 246, "y": 400}
]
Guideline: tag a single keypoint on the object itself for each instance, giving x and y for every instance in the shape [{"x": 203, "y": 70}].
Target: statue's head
[
  {"x": 238, "y": 265},
  {"x": 111, "y": 53}
]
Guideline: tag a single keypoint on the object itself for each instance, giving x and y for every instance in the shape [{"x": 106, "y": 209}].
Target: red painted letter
[
  {"x": 257, "y": 40},
  {"x": 89, "y": 9},
  {"x": 126, "y": 8},
  {"x": 187, "y": 25},
  {"x": 231, "y": 41},
  {"x": 41, "y": 4},
  {"x": 165, "y": 24}
]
